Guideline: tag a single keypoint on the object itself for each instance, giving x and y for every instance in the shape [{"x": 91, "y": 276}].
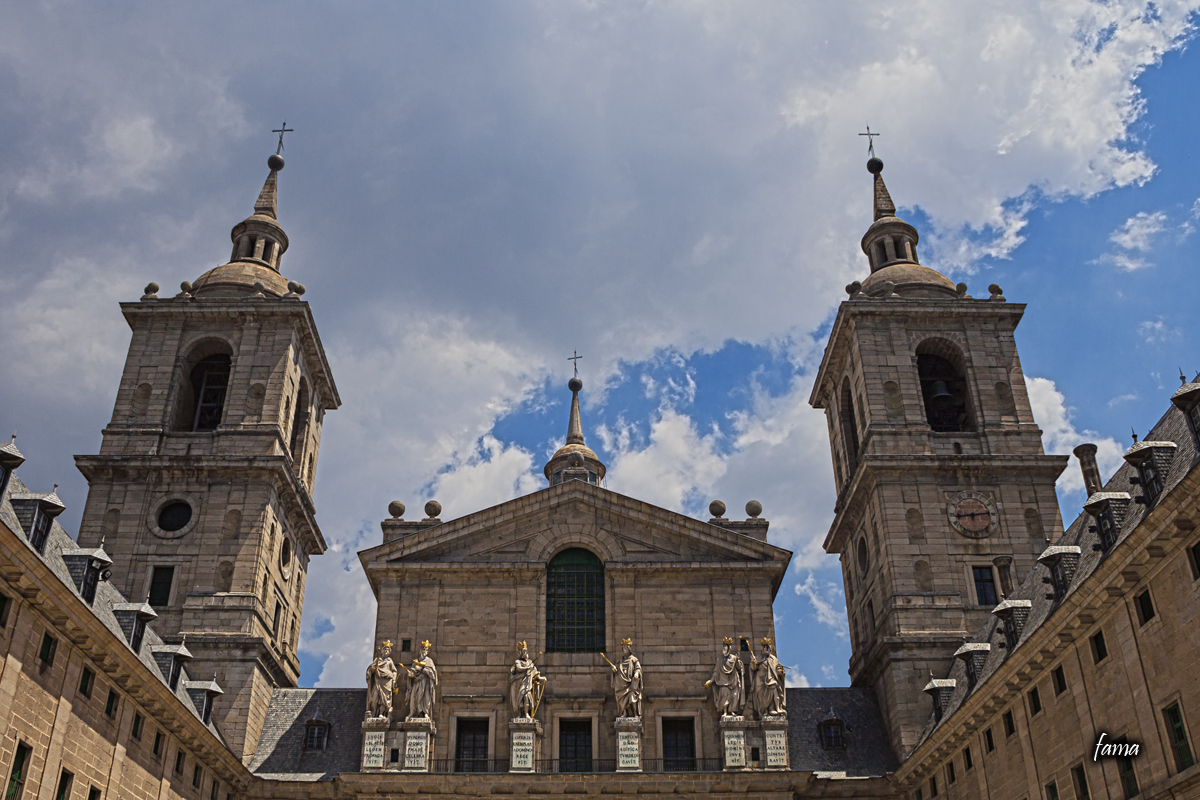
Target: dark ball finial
[
  {"x": 433, "y": 508},
  {"x": 575, "y": 460},
  {"x": 574, "y": 384},
  {"x": 396, "y": 509},
  {"x": 754, "y": 508},
  {"x": 874, "y": 166},
  {"x": 716, "y": 508},
  {"x": 275, "y": 162}
]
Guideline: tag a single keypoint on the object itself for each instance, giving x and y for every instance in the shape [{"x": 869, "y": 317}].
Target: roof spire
[
  {"x": 267, "y": 204},
  {"x": 574, "y": 425},
  {"x": 574, "y": 460}
]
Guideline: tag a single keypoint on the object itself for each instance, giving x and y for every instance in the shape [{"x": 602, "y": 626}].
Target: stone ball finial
[
  {"x": 186, "y": 287},
  {"x": 575, "y": 384},
  {"x": 887, "y": 289},
  {"x": 874, "y": 166},
  {"x": 300, "y": 290},
  {"x": 995, "y": 289},
  {"x": 293, "y": 286},
  {"x": 853, "y": 288},
  {"x": 575, "y": 459},
  {"x": 961, "y": 289},
  {"x": 151, "y": 288},
  {"x": 396, "y": 509},
  {"x": 275, "y": 162},
  {"x": 433, "y": 508},
  {"x": 716, "y": 508},
  {"x": 753, "y": 509},
  {"x": 258, "y": 287}
]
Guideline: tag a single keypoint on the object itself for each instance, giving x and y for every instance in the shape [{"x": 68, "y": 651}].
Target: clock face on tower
[{"x": 972, "y": 514}]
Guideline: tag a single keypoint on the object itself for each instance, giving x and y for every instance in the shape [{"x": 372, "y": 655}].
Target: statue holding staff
[
  {"x": 381, "y": 681},
  {"x": 727, "y": 683},
  {"x": 627, "y": 681},
  {"x": 525, "y": 684},
  {"x": 770, "y": 699},
  {"x": 422, "y": 682}
]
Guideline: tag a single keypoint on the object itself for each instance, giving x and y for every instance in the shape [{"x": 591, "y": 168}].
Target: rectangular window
[
  {"x": 46, "y": 653},
  {"x": 405, "y": 645},
  {"x": 918, "y": 795},
  {"x": 679, "y": 745},
  {"x": 933, "y": 790},
  {"x": 1099, "y": 650},
  {"x": 91, "y": 580},
  {"x": 16, "y": 778},
  {"x": 1060, "y": 680},
  {"x": 471, "y": 746},
  {"x": 1081, "y": 785},
  {"x": 575, "y": 745},
  {"x": 197, "y": 776},
  {"x": 86, "y": 680},
  {"x": 5, "y": 605},
  {"x": 1035, "y": 702},
  {"x": 41, "y": 530},
  {"x": 1145, "y": 607},
  {"x": 137, "y": 727},
  {"x": 967, "y": 762},
  {"x": 988, "y": 742},
  {"x": 1150, "y": 479},
  {"x": 139, "y": 633},
  {"x": 93, "y": 793},
  {"x": 1194, "y": 558},
  {"x": 158, "y": 743},
  {"x": 1106, "y": 527},
  {"x": 985, "y": 586},
  {"x": 179, "y": 761},
  {"x": 316, "y": 734},
  {"x": 1051, "y": 791},
  {"x": 215, "y": 790},
  {"x": 64, "y": 786},
  {"x": 275, "y": 620},
  {"x": 1129, "y": 784},
  {"x": 1179, "y": 737},
  {"x": 160, "y": 586},
  {"x": 950, "y": 776},
  {"x": 110, "y": 705},
  {"x": 1009, "y": 727}
]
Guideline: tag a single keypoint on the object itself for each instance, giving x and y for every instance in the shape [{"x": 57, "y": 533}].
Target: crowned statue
[
  {"x": 767, "y": 677},
  {"x": 727, "y": 683},
  {"x": 525, "y": 684},
  {"x": 422, "y": 683},
  {"x": 627, "y": 681},
  {"x": 381, "y": 682}
]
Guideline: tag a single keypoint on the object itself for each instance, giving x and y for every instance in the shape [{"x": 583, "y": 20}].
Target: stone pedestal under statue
[
  {"x": 775, "y": 732},
  {"x": 374, "y": 743},
  {"x": 629, "y": 744},
  {"x": 733, "y": 742},
  {"x": 418, "y": 744},
  {"x": 525, "y": 744}
]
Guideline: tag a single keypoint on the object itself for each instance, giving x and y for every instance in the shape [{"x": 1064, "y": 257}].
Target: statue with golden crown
[
  {"x": 727, "y": 683},
  {"x": 627, "y": 681},
  {"x": 381, "y": 681},
  {"x": 767, "y": 677},
  {"x": 422, "y": 683},
  {"x": 525, "y": 684}
]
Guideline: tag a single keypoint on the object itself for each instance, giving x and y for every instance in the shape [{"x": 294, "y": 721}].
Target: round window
[
  {"x": 285, "y": 557},
  {"x": 174, "y": 516},
  {"x": 862, "y": 555}
]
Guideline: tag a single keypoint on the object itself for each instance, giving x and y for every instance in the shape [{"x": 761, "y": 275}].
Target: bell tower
[
  {"x": 945, "y": 495},
  {"x": 202, "y": 490}
]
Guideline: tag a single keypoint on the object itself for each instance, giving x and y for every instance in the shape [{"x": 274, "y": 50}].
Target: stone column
[
  {"x": 629, "y": 744},
  {"x": 775, "y": 731},
  {"x": 374, "y": 745},
  {"x": 418, "y": 744},
  {"x": 733, "y": 742},
  {"x": 525, "y": 744}
]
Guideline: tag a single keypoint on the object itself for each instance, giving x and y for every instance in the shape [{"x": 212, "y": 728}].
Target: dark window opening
[
  {"x": 1150, "y": 479},
  {"x": 575, "y": 745},
  {"x": 1129, "y": 784},
  {"x": 933, "y": 787},
  {"x": 110, "y": 705},
  {"x": 316, "y": 735},
  {"x": 5, "y": 605},
  {"x": 1009, "y": 726},
  {"x": 1193, "y": 560},
  {"x": 1051, "y": 791},
  {"x": 833, "y": 735},
  {"x": 951, "y": 777},
  {"x": 139, "y": 633},
  {"x": 1011, "y": 634},
  {"x": 1060, "y": 680},
  {"x": 679, "y": 745},
  {"x": 299, "y": 423},
  {"x": 1145, "y": 607},
  {"x": 1099, "y": 649},
  {"x": 1193, "y": 418},
  {"x": 158, "y": 743},
  {"x": 64, "y": 785},
  {"x": 49, "y": 647},
  {"x": 985, "y": 586},
  {"x": 1106, "y": 529},
  {"x": 849, "y": 428},
  {"x": 93, "y": 793},
  {"x": 1179, "y": 737},
  {"x": 575, "y": 603},
  {"x": 197, "y": 776},
  {"x": 91, "y": 580},
  {"x": 967, "y": 762},
  {"x": 41, "y": 530},
  {"x": 972, "y": 673},
  {"x": 754, "y": 754},
  {"x": 1058, "y": 579},
  {"x": 210, "y": 380},
  {"x": 174, "y": 516},
  {"x": 944, "y": 391},
  {"x": 176, "y": 669},
  {"x": 160, "y": 586},
  {"x": 214, "y": 790},
  {"x": 86, "y": 680},
  {"x": 136, "y": 732},
  {"x": 394, "y": 756},
  {"x": 1035, "y": 702},
  {"x": 206, "y": 708},
  {"x": 16, "y": 778},
  {"x": 1081, "y": 784},
  {"x": 988, "y": 742},
  {"x": 471, "y": 746},
  {"x": 275, "y": 618}
]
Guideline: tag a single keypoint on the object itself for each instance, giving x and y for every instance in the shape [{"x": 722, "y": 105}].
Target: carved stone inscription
[
  {"x": 373, "y": 749},
  {"x": 777, "y": 754},
  {"x": 735, "y": 749},
  {"x": 629, "y": 750},
  {"x": 522, "y": 752},
  {"x": 416, "y": 749}
]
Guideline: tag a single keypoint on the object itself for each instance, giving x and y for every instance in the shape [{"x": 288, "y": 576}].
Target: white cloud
[
  {"x": 1059, "y": 435},
  {"x": 490, "y": 473},
  {"x": 828, "y": 671},
  {"x": 1121, "y": 399},
  {"x": 1139, "y": 231},
  {"x": 1155, "y": 331},
  {"x": 827, "y": 601},
  {"x": 795, "y": 678}
]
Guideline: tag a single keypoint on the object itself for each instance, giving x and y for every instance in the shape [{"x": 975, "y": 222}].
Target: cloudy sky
[{"x": 675, "y": 189}]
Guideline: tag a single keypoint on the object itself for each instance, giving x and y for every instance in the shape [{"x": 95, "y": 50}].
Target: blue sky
[{"x": 676, "y": 190}]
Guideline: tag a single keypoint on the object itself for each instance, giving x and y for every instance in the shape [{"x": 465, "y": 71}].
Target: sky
[{"x": 676, "y": 190}]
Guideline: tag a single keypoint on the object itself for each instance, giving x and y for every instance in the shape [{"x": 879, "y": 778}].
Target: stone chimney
[{"x": 1086, "y": 453}]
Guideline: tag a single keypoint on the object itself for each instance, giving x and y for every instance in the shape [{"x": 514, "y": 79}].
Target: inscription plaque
[
  {"x": 522, "y": 752},
  {"x": 735, "y": 749},
  {"x": 373, "y": 750},
  {"x": 416, "y": 748},
  {"x": 777, "y": 754},
  {"x": 629, "y": 750}
]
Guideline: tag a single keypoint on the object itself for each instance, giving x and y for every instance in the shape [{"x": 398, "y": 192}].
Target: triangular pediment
[{"x": 531, "y": 529}]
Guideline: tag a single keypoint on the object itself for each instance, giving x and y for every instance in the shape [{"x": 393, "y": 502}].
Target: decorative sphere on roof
[
  {"x": 716, "y": 508},
  {"x": 396, "y": 509},
  {"x": 275, "y": 162},
  {"x": 575, "y": 459},
  {"x": 874, "y": 166},
  {"x": 575, "y": 384},
  {"x": 433, "y": 508},
  {"x": 753, "y": 508}
]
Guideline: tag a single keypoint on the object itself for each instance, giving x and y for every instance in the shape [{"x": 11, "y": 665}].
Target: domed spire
[{"x": 574, "y": 460}]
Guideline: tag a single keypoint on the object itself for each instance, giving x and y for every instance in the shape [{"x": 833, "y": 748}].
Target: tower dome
[{"x": 574, "y": 460}]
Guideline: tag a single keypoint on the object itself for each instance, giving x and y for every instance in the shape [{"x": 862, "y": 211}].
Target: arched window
[
  {"x": 200, "y": 404},
  {"x": 300, "y": 423},
  {"x": 849, "y": 428},
  {"x": 943, "y": 386},
  {"x": 575, "y": 602}
]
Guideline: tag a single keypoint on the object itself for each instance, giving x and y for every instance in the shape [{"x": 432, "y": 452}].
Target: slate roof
[
  {"x": 1173, "y": 428},
  {"x": 281, "y": 754},
  {"x": 867, "y": 752},
  {"x": 106, "y": 595}
]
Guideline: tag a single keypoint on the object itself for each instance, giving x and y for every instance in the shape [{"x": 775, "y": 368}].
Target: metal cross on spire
[
  {"x": 870, "y": 141},
  {"x": 281, "y": 130},
  {"x": 575, "y": 362}
]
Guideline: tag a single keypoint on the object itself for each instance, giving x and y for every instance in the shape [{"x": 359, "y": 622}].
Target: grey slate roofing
[
  {"x": 106, "y": 595},
  {"x": 281, "y": 754},
  {"x": 1174, "y": 428},
  {"x": 867, "y": 752}
]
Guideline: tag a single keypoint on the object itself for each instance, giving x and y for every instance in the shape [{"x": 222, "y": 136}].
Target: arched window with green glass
[{"x": 575, "y": 602}]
